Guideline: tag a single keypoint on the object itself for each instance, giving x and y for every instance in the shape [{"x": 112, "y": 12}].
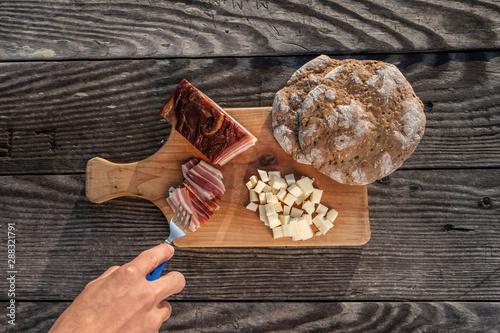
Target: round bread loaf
[{"x": 355, "y": 121}]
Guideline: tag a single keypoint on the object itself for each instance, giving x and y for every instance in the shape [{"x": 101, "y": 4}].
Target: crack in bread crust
[{"x": 288, "y": 103}]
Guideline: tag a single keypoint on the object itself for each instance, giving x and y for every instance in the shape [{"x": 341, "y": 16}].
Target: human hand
[{"x": 122, "y": 300}]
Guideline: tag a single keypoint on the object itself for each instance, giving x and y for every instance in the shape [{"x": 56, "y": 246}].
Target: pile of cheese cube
[{"x": 289, "y": 207}]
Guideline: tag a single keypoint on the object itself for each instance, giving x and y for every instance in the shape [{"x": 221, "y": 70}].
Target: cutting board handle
[{"x": 107, "y": 180}]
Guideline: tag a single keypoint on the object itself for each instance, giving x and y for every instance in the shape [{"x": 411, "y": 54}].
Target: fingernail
[{"x": 171, "y": 248}]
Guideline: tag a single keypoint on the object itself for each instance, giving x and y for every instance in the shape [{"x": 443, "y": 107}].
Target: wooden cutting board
[{"x": 232, "y": 225}]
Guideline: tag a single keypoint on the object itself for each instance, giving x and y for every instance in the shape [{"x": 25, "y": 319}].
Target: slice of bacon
[
  {"x": 206, "y": 178},
  {"x": 209, "y": 204},
  {"x": 195, "y": 194},
  {"x": 179, "y": 197},
  {"x": 205, "y": 124}
]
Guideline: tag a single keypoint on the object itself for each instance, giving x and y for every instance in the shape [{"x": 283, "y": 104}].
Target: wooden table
[{"x": 80, "y": 79}]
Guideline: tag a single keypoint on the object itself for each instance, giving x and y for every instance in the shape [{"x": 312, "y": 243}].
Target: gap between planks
[{"x": 253, "y": 55}]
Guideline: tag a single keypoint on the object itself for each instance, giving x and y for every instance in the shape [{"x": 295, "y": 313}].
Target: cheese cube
[
  {"x": 274, "y": 221},
  {"x": 321, "y": 209},
  {"x": 281, "y": 194},
  {"x": 274, "y": 174},
  {"x": 285, "y": 219},
  {"x": 295, "y": 190},
  {"x": 259, "y": 186},
  {"x": 254, "y": 197},
  {"x": 312, "y": 179},
  {"x": 263, "y": 215},
  {"x": 289, "y": 199},
  {"x": 287, "y": 230},
  {"x": 276, "y": 199},
  {"x": 295, "y": 212},
  {"x": 290, "y": 179},
  {"x": 332, "y": 215},
  {"x": 308, "y": 206},
  {"x": 301, "y": 199},
  {"x": 305, "y": 185},
  {"x": 277, "y": 232},
  {"x": 316, "y": 196},
  {"x": 270, "y": 210},
  {"x": 279, "y": 183},
  {"x": 318, "y": 220},
  {"x": 322, "y": 224},
  {"x": 294, "y": 226},
  {"x": 263, "y": 175},
  {"x": 270, "y": 198},
  {"x": 278, "y": 207},
  {"x": 305, "y": 229},
  {"x": 252, "y": 206},
  {"x": 262, "y": 198},
  {"x": 308, "y": 218},
  {"x": 253, "y": 180},
  {"x": 325, "y": 229}
]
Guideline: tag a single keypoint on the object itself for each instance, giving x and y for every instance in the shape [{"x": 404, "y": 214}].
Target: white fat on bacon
[
  {"x": 236, "y": 149},
  {"x": 202, "y": 185}
]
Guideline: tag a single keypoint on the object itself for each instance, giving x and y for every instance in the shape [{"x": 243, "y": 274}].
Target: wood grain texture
[
  {"x": 109, "y": 108},
  {"x": 299, "y": 317},
  {"x": 434, "y": 237},
  {"x": 102, "y": 69},
  {"x": 232, "y": 225},
  {"x": 139, "y": 29}
]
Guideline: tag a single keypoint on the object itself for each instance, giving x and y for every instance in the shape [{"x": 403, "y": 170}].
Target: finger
[
  {"x": 165, "y": 310},
  {"x": 169, "y": 284},
  {"x": 157, "y": 317},
  {"x": 147, "y": 261}
]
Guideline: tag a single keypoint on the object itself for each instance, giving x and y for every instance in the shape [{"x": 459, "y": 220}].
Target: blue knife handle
[{"x": 155, "y": 275}]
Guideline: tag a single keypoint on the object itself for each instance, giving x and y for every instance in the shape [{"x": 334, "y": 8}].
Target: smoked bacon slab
[{"x": 205, "y": 124}]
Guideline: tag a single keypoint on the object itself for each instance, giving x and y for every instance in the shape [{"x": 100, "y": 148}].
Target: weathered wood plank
[
  {"x": 434, "y": 237},
  {"x": 95, "y": 30},
  {"x": 55, "y": 116},
  {"x": 299, "y": 317}
]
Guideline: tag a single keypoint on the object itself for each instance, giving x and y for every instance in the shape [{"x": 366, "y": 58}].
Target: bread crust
[
  {"x": 357, "y": 125},
  {"x": 288, "y": 103}
]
